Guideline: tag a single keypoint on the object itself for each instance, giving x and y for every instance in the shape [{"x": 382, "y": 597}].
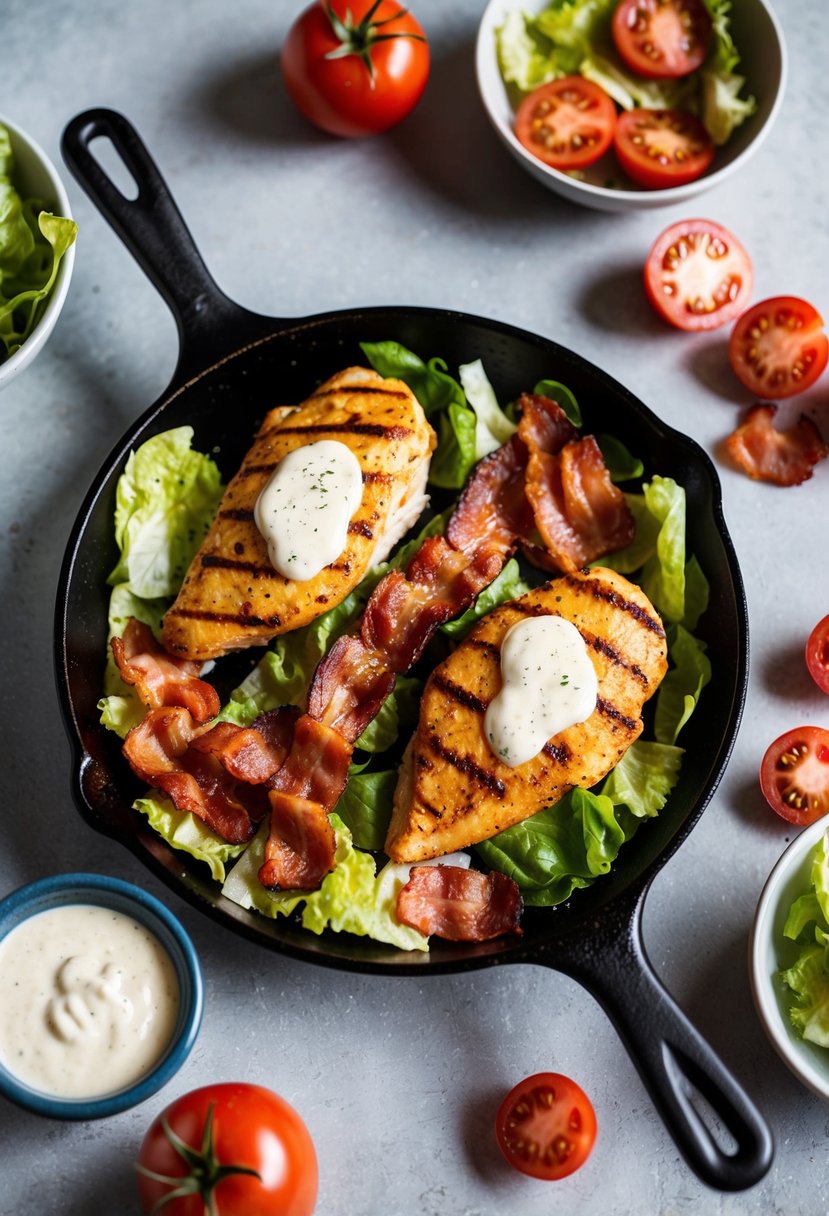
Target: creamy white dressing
[
  {"x": 548, "y": 684},
  {"x": 88, "y": 1003},
  {"x": 304, "y": 510}
]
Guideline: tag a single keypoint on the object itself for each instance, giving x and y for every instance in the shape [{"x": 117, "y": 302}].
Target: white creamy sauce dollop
[
  {"x": 548, "y": 684},
  {"x": 89, "y": 1001},
  {"x": 304, "y": 510}
]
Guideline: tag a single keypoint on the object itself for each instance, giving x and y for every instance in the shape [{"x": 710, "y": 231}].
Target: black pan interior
[{"x": 224, "y": 406}]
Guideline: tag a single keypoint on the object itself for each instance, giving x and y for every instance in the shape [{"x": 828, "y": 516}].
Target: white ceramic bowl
[
  {"x": 758, "y": 38},
  {"x": 770, "y": 951},
  {"x": 36, "y": 177}
]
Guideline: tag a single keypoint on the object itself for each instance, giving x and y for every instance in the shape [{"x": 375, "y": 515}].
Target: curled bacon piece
[
  {"x": 493, "y": 510},
  {"x": 543, "y": 424},
  {"x": 164, "y": 751},
  {"x": 580, "y": 513},
  {"x": 159, "y": 678},
  {"x": 460, "y": 905},
  {"x": 301, "y": 845},
  {"x": 784, "y": 458},
  {"x": 349, "y": 687},
  {"x": 244, "y": 752}
]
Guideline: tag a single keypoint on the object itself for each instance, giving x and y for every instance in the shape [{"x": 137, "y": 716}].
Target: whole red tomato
[
  {"x": 355, "y": 67},
  {"x": 228, "y": 1150}
]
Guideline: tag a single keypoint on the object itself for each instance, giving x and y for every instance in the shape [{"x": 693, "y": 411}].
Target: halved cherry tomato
[
  {"x": 546, "y": 1126},
  {"x": 817, "y": 654},
  {"x": 778, "y": 348},
  {"x": 662, "y": 38},
  {"x": 794, "y": 775},
  {"x": 662, "y": 148},
  {"x": 697, "y": 275},
  {"x": 568, "y": 123}
]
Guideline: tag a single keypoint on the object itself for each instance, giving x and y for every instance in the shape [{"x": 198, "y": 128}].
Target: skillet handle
[
  {"x": 676, "y": 1064},
  {"x": 210, "y": 324}
]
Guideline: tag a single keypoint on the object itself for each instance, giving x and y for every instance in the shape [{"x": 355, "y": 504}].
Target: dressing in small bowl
[{"x": 101, "y": 1000}]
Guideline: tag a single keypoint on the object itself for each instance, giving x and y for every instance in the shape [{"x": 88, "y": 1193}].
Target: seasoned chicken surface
[
  {"x": 453, "y": 791},
  {"x": 232, "y": 597}
]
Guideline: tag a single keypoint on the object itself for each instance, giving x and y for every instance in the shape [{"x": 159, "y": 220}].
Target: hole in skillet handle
[
  {"x": 716, "y": 1126},
  {"x": 148, "y": 221}
]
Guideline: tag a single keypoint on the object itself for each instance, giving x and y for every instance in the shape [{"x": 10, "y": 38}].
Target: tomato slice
[
  {"x": 697, "y": 275},
  {"x": 662, "y": 38},
  {"x": 662, "y": 148},
  {"x": 817, "y": 654},
  {"x": 778, "y": 348},
  {"x": 546, "y": 1126},
  {"x": 568, "y": 123},
  {"x": 794, "y": 775}
]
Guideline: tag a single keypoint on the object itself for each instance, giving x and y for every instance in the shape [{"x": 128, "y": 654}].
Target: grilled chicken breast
[
  {"x": 453, "y": 791},
  {"x": 232, "y": 597}
]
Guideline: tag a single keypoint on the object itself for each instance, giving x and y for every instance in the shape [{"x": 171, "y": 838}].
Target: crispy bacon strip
[
  {"x": 460, "y": 905},
  {"x": 349, "y": 688},
  {"x": 163, "y": 751},
  {"x": 579, "y": 512},
  {"x": 158, "y": 678},
  {"x": 493, "y": 510},
  {"x": 784, "y": 458},
  {"x": 244, "y": 752},
  {"x": 301, "y": 846},
  {"x": 543, "y": 425}
]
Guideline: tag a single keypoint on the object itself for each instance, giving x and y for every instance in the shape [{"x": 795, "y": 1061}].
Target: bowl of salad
[
  {"x": 37, "y": 249},
  {"x": 631, "y": 104},
  {"x": 789, "y": 957}
]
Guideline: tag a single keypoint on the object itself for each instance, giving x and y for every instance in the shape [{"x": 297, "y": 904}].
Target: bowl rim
[
  {"x": 793, "y": 1051},
  {"x": 103, "y": 890},
  {"x": 568, "y": 186},
  {"x": 26, "y": 353}
]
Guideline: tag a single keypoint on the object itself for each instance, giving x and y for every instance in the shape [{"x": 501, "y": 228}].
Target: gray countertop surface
[{"x": 398, "y": 1079}]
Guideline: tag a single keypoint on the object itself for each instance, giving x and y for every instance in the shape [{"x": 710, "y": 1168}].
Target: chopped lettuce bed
[
  {"x": 166, "y": 499},
  {"x": 570, "y": 37},
  {"x": 32, "y": 244},
  {"x": 807, "y": 979}
]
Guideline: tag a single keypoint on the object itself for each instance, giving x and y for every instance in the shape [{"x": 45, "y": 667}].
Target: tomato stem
[
  {"x": 358, "y": 38},
  {"x": 206, "y": 1171}
]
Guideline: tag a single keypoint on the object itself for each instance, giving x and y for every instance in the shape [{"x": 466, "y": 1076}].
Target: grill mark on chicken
[
  {"x": 597, "y": 591},
  {"x": 612, "y": 654},
  {"x": 234, "y": 618},
  {"x": 611, "y": 711},
  {"x": 529, "y": 609},
  {"x": 245, "y": 514},
  {"x": 374, "y": 390},
  {"x": 559, "y": 752},
  {"x": 431, "y": 810},
  {"x": 462, "y": 695},
  {"x": 214, "y": 561},
  {"x": 467, "y": 766},
  {"x": 374, "y": 429},
  {"x": 486, "y": 647},
  {"x": 359, "y": 527}
]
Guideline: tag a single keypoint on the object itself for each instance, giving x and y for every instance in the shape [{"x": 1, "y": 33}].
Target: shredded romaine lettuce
[
  {"x": 187, "y": 832},
  {"x": 32, "y": 244},
  {"x": 808, "y": 976}
]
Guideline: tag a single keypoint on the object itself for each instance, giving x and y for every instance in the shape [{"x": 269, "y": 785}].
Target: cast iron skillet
[{"x": 233, "y": 366}]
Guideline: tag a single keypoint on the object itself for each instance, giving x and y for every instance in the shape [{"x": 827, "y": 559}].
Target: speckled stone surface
[{"x": 398, "y": 1079}]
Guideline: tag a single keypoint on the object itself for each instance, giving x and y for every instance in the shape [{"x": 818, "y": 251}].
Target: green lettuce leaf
[
  {"x": 352, "y": 898},
  {"x": 808, "y": 979},
  {"x": 492, "y": 427},
  {"x": 663, "y": 574},
  {"x": 365, "y": 806},
  {"x": 644, "y": 777},
  {"x": 562, "y": 395},
  {"x": 165, "y": 501},
  {"x": 679, "y": 692},
  {"x": 723, "y": 109},
  {"x": 621, "y": 464},
  {"x": 187, "y": 832}
]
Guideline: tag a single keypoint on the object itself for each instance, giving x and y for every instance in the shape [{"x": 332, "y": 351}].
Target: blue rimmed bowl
[{"x": 63, "y": 890}]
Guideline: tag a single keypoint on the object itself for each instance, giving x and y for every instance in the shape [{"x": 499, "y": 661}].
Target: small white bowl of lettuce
[
  {"x": 736, "y": 93},
  {"x": 37, "y": 249},
  {"x": 789, "y": 957}
]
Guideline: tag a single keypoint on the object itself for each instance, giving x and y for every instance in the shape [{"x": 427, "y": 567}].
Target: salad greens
[
  {"x": 807, "y": 979},
  {"x": 32, "y": 243},
  {"x": 166, "y": 499},
  {"x": 570, "y": 37}
]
